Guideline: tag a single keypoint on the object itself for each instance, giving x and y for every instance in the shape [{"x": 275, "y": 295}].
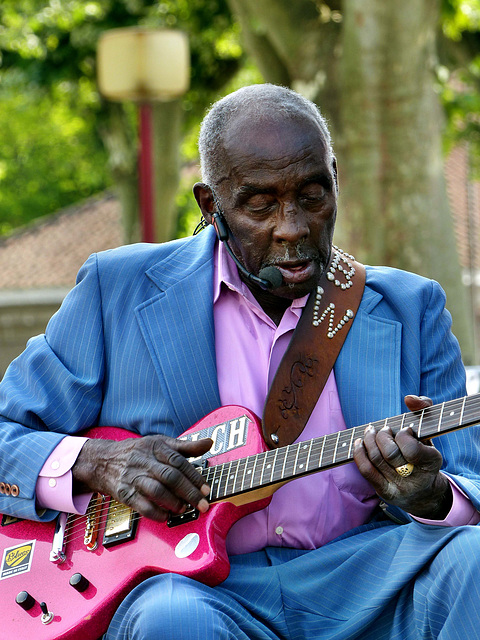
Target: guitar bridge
[
  {"x": 94, "y": 512},
  {"x": 188, "y": 516},
  {"x": 191, "y": 513},
  {"x": 121, "y": 524}
]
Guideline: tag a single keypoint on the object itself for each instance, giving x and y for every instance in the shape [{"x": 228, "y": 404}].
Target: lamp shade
[{"x": 143, "y": 64}]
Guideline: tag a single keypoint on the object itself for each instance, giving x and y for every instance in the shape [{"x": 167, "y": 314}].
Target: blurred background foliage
[
  {"x": 54, "y": 147},
  {"x": 52, "y": 119},
  {"x": 459, "y": 74},
  {"x": 395, "y": 80}
]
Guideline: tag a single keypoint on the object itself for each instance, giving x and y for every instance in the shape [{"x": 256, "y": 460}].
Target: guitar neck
[{"x": 295, "y": 460}]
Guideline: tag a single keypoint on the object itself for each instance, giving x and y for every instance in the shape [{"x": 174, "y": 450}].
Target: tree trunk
[
  {"x": 167, "y": 137},
  {"x": 391, "y": 160},
  {"x": 372, "y": 76},
  {"x": 120, "y": 139}
]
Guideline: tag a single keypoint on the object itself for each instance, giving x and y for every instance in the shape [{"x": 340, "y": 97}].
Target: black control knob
[
  {"x": 79, "y": 582},
  {"x": 25, "y": 600}
]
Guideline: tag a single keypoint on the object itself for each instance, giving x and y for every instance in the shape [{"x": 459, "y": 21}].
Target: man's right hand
[{"x": 151, "y": 474}]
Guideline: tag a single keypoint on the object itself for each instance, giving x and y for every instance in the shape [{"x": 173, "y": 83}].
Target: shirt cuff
[
  {"x": 462, "y": 511},
  {"x": 54, "y": 483}
]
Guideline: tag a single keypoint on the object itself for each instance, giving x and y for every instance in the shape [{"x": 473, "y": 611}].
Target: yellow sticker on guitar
[{"x": 17, "y": 559}]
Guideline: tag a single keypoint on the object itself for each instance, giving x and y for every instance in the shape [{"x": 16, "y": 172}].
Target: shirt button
[
  {"x": 52, "y": 482},
  {"x": 279, "y": 531},
  {"x": 55, "y": 464}
]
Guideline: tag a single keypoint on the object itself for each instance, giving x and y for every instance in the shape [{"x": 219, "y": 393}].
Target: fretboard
[{"x": 301, "y": 458}]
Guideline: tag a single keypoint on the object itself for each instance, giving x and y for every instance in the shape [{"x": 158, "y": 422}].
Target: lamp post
[{"x": 143, "y": 65}]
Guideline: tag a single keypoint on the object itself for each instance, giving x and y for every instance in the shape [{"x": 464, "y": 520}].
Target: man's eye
[
  {"x": 260, "y": 204},
  {"x": 313, "y": 195}
]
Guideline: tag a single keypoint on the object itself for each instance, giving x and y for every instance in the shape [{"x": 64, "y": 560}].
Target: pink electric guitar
[{"x": 64, "y": 580}]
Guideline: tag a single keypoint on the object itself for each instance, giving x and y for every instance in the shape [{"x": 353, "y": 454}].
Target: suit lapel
[
  {"x": 177, "y": 325},
  {"x": 178, "y": 328},
  {"x": 367, "y": 370}
]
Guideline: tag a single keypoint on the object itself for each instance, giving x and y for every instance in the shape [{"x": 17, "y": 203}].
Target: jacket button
[
  {"x": 2, "y": 487},
  {"x": 14, "y": 490}
]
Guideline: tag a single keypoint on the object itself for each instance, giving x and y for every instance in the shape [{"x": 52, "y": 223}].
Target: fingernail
[
  {"x": 205, "y": 489},
  {"x": 203, "y": 506}
]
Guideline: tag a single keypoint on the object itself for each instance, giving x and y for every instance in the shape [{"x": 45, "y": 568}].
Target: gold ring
[{"x": 405, "y": 469}]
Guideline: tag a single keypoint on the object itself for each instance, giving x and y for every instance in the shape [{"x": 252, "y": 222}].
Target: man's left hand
[{"x": 425, "y": 493}]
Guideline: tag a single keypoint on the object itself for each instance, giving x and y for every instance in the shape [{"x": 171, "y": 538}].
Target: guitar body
[
  {"x": 114, "y": 550},
  {"x": 193, "y": 548}
]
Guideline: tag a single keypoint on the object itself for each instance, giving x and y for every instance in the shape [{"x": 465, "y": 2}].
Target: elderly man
[{"x": 154, "y": 337}]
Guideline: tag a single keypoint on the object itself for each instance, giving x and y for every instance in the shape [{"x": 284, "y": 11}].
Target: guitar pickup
[{"x": 121, "y": 524}]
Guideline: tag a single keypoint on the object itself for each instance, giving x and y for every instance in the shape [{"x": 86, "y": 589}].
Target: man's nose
[{"x": 291, "y": 225}]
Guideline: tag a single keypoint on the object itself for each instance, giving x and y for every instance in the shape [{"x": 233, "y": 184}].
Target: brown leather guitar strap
[{"x": 311, "y": 354}]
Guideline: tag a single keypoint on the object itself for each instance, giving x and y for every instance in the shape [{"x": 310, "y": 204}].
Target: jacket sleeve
[
  {"x": 53, "y": 388},
  {"x": 443, "y": 379}
]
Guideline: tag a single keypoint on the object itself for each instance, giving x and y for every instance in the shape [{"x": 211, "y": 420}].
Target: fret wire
[
  {"x": 257, "y": 472},
  {"x": 287, "y": 455},
  {"x": 273, "y": 464},
  {"x": 216, "y": 481},
  {"x": 244, "y": 473},
  {"x": 396, "y": 423},
  {"x": 277, "y": 467},
  {"x": 220, "y": 480},
  {"x": 430, "y": 421},
  {"x": 339, "y": 446},
  {"x": 420, "y": 423},
  {"x": 336, "y": 447},
  {"x": 309, "y": 453},
  {"x": 225, "y": 490},
  {"x": 294, "y": 470},
  {"x": 439, "y": 429},
  {"x": 291, "y": 463},
  {"x": 268, "y": 456},
  {"x": 349, "y": 454},
  {"x": 210, "y": 479},
  {"x": 263, "y": 468},
  {"x": 254, "y": 470},
  {"x": 321, "y": 452},
  {"x": 463, "y": 408},
  {"x": 234, "y": 487}
]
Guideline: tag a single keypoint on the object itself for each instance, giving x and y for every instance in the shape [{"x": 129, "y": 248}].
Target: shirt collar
[{"x": 225, "y": 272}]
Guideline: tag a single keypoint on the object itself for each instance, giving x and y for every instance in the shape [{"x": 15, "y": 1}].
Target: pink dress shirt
[{"x": 305, "y": 513}]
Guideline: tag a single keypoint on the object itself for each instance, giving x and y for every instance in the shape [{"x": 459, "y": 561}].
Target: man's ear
[{"x": 203, "y": 196}]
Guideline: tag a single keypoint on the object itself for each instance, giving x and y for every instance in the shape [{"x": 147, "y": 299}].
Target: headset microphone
[{"x": 270, "y": 277}]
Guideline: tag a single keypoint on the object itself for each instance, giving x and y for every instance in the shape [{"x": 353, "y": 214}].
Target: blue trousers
[{"x": 378, "y": 582}]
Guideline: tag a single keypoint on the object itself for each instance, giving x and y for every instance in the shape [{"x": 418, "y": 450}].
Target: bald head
[{"x": 261, "y": 103}]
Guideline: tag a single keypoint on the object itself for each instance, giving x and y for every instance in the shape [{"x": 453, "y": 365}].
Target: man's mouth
[{"x": 296, "y": 271}]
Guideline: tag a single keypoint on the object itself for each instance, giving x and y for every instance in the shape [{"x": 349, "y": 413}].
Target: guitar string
[{"x": 327, "y": 449}]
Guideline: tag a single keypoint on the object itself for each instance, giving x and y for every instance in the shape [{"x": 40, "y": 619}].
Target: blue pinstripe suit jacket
[{"x": 133, "y": 346}]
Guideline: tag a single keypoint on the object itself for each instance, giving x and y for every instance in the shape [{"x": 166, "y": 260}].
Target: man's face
[{"x": 278, "y": 196}]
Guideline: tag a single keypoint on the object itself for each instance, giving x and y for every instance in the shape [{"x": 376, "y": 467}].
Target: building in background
[{"x": 39, "y": 264}]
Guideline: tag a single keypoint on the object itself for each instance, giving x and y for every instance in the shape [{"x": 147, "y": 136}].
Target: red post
[{"x": 145, "y": 174}]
